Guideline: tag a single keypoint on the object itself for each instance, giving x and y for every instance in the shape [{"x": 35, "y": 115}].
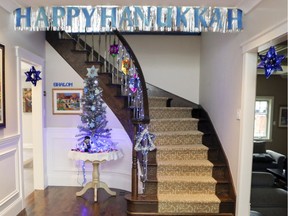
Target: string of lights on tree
[{"x": 94, "y": 135}]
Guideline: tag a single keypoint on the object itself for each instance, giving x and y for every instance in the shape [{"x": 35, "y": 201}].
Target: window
[{"x": 263, "y": 118}]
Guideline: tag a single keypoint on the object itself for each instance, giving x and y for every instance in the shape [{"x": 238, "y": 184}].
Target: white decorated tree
[{"x": 94, "y": 135}]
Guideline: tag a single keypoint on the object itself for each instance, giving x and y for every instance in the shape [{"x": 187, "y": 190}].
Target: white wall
[
  {"x": 10, "y": 146},
  {"x": 221, "y": 86},
  {"x": 168, "y": 62},
  {"x": 61, "y": 131},
  {"x": 220, "y": 89}
]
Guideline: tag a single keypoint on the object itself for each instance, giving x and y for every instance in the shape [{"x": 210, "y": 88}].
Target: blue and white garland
[{"x": 143, "y": 136}]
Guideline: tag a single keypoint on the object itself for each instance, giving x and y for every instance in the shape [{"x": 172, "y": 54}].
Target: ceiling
[{"x": 245, "y": 5}]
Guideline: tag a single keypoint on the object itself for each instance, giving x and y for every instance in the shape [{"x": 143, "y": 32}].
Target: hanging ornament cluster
[
  {"x": 126, "y": 65},
  {"x": 134, "y": 83},
  {"x": 270, "y": 62},
  {"x": 33, "y": 76},
  {"x": 144, "y": 144},
  {"x": 144, "y": 141},
  {"x": 94, "y": 137},
  {"x": 114, "y": 49}
]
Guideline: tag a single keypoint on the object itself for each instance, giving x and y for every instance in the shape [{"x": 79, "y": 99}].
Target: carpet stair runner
[{"x": 184, "y": 173}]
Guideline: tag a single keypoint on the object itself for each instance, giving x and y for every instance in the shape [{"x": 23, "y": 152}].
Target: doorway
[
  {"x": 27, "y": 125},
  {"x": 31, "y": 124}
]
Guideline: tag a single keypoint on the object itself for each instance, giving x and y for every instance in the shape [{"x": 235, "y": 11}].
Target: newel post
[{"x": 134, "y": 166}]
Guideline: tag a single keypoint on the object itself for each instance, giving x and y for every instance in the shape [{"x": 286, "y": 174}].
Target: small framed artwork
[
  {"x": 283, "y": 118},
  {"x": 27, "y": 100},
  {"x": 2, "y": 86},
  {"x": 67, "y": 101}
]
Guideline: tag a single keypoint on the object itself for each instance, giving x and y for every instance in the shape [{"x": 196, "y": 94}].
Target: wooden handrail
[
  {"x": 136, "y": 122},
  {"x": 146, "y": 119}
]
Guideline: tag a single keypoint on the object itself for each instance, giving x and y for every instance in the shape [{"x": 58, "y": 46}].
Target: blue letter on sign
[
  {"x": 139, "y": 13},
  {"x": 168, "y": 14},
  {"x": 57, "y": 16},
  {"x": 199, "y": 18},
  {"x": 181, "y": 17},
  {"x": 72, "y": 12},
  {"x": 216, "y": 17},
  {"x": 42, "y": 17},
  {"x": 27, "y": 16},
  {"x": 231, "y": 18},
  {"x": 104, "y": 16},
  {"x": 88, "y": 16},
  {"x": 126, "y": 16}
]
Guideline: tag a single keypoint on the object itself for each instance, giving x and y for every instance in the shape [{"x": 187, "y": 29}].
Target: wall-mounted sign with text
[
  {"x": 63, "y": 84},
  {"x": 129, "y": 19}
]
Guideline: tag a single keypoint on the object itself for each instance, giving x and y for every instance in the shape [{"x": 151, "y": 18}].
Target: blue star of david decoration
[
  {"x": 270, "y": 62},
  {"x": 33, "y": 76}
]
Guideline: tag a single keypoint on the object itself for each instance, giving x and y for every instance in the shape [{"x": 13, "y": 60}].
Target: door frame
[{"x": 38, "y": 116}]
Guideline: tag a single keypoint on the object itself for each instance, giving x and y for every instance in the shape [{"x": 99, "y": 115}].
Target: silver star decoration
[
  {"x": 149, "y": 146},
  {"x": 92, "y": 72}
]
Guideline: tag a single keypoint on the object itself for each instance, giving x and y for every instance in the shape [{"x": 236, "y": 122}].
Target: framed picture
[
  {"x": 67, "y": 101},
  {"x": 283, "y": 118},
  {"x": 2, "y": 86},
  {"x": 27, "y": 100}
]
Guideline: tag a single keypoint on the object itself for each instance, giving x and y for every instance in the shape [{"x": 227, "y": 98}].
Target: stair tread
[
  {"x": 170, "y": 108},
  {"x": 173, "y": 119},
  {"x": 153, "y": 198},
  {"x": 175, "y": 133},
  {"x": 79, "y": 51},
  {"x": 182, "y": 147},
  {"x": 185, "y": 163},
  {"x": 189, "y": 198},
  {"x": 187, "y": 179},
  {"x": 156, "y": 97},
  {"x": 153, "y": 179}
]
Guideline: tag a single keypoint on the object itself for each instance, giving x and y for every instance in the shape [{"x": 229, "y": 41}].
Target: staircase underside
[{"x": 77, "y": 59}]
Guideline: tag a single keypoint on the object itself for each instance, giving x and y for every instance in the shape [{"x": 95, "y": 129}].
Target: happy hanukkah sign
[{"x": 129, "y": 19}]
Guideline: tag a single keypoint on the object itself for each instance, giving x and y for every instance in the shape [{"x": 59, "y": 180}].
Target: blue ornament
[
  {"x": 33, "y": 76},
  {"x": 270, "y": 62},
  {"x": 134, "y": 83},
  {"x": 93, "y": 108},
  {"x": 91, "y": 125}
]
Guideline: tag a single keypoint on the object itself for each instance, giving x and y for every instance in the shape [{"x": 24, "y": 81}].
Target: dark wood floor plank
[{"x": 59, "y": 201}]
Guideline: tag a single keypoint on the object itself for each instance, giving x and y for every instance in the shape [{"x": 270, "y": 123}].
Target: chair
[
  {"x": 266, "y": 198},
  {"x": 263, "y": 159}
]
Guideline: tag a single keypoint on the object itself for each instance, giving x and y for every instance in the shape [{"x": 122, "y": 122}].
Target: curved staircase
[{"x": 188, "y": 173}]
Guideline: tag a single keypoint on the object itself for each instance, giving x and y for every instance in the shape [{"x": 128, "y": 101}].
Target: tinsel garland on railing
[{"x": 144, "y": 144}]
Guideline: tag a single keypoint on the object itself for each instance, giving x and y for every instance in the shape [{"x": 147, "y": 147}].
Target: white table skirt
[{"x": 105, "y": 156}]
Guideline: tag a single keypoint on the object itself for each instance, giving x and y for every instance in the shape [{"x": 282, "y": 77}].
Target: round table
[{"x": 95, "y": 159}]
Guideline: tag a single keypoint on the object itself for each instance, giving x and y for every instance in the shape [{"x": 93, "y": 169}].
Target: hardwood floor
[{"x": 56, "y": 201}]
